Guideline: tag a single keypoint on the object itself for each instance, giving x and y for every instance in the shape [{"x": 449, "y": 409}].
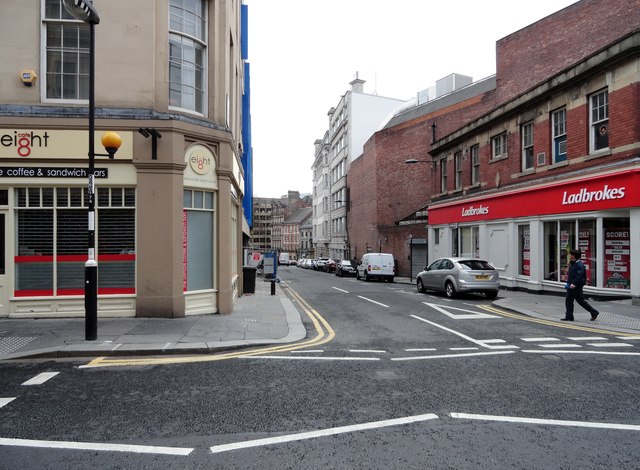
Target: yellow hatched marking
[{"x": 324, "y": 335}]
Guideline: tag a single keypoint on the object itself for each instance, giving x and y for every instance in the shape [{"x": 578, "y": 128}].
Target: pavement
[{"x": 257, "y": 319}]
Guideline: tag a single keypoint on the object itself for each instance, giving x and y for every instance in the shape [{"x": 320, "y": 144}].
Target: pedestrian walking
[{"x": 576, "y": 279}]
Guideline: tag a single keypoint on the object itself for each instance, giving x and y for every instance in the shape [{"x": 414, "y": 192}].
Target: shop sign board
[
  {"x": 611, "y": 191},
  {"x": 50, "y": 172},
  {"x": 617, "y": 258}
]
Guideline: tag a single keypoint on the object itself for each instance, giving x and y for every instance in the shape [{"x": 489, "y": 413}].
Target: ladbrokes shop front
[
  {"x": 158, "y": 227},
  {"x": 527, "y": 233}
]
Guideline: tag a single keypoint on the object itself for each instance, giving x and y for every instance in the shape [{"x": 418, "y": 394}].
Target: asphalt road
[{"x": 408, "y": 381}]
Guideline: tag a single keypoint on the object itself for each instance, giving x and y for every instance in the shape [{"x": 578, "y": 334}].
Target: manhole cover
[{"x": 11, "y": 344}]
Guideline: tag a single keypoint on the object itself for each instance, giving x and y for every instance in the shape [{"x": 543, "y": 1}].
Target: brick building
[{"x": 546, "y": 161}]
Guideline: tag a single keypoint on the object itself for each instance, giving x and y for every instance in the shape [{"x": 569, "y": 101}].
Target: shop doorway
[{"x": 4, "y": 287}]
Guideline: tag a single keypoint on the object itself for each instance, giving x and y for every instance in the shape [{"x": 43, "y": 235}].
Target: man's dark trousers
[{"x": 576, "y": 293}]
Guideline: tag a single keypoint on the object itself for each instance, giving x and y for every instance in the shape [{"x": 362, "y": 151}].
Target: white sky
[{"x": 304, "y": 53}]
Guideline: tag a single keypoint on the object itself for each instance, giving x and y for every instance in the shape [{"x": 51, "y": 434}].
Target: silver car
[{"x": 455, "y": 276}]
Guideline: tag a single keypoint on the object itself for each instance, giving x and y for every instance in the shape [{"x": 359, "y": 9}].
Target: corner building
[{"x": 168, "y": 207}]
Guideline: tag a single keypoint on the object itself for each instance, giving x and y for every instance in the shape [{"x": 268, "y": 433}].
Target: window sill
[
  {"x": 558, "y": 165},
  {"x": 499, "y": 158},
  {"x": 598, "y": 154}
]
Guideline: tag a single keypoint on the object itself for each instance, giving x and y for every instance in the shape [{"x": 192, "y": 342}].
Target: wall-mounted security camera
[{"x": 28, "y": 77}]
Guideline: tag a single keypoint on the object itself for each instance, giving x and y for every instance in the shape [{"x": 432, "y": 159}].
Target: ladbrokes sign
[{"x": 31, "y": 143}]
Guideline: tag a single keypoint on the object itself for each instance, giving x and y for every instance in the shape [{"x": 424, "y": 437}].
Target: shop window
[
  {"x": 559, "y": 135},
  {"x": 51, "y": 242},
  {"x": 66, "y": 51},
  {"x": 551, "y": 267},
  {"x": 567, "y": 243},
  {"x": 563, "y": 236},
  {"x": 455, "y": 250},
  {"x": 587, "y": 247},
  {"x": 524, "y": 245},
  {"x": 526, "y": 133},
  {"x": 599, "y": 120},
  {"x": 469, "y": 242},
  {"x": 198, "y": 240},
  {"x": 617, "y": 255}
]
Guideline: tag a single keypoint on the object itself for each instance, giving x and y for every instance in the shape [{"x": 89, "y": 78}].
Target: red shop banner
[{"x": 611, "y": 191}]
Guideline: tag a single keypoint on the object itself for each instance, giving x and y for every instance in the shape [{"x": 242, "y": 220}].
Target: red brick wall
[{"x": 545, "y": 48}]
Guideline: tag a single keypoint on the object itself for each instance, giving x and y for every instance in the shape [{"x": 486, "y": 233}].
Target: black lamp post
[{"x": 83, "y": 10}]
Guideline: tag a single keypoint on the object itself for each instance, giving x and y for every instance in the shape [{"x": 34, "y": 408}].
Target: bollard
[{"x": 273, "y": 287}]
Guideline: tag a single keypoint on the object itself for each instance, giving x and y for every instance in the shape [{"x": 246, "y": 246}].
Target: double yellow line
[
  {"x": 324, "y": 334},
  {"x": 558, "y": 324}
]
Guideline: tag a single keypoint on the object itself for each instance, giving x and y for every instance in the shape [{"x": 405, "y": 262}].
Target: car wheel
[
  {"x": 420, "y": 286},
  {"x": 491, "y": 295},
  {"x": 358, "y": 275},
  {"x": 449, "y": 290},
  {"x": 366, "y": 277}
]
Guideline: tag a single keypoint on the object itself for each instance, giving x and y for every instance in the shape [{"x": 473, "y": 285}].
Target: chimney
[{"x": 357, "y": 85}]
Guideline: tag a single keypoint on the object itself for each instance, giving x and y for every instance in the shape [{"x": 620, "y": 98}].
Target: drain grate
[{"x": 10, "y": 344}]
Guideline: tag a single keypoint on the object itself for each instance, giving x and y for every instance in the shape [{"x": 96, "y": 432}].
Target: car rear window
[{"x": 474, "y": 264}]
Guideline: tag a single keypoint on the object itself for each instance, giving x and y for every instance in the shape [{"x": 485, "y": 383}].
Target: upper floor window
[
  {"x": 499, "y": 145},
  {"x": 458, "y": 169},
  {"x": 475, "y": 164},
  {"x": 443, "y": 175},
  {"x": 526, "y": 133},
  {"x": 599, "y": 120},
  {"x": 559, "y": 135},
  {"x": 187, "y": 54},
  {"x": 66, "y": 44}
]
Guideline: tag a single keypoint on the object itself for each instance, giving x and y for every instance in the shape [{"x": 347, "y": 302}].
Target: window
[
  {"x": 499, "y": 145},
  {"x": 526, "y": 133},
  {"x": 51, "y": 243},
  {"x": 469, "y": 241},
  {"x": 475, "y": 164},
  {"x": 524, "y": 245},
  {"x": 559, "y": 135},
  {"x": 187, "y": 47},
  {"x": 458, "y": 169},
  {"x": 66, "y": 44},
  {"x": 443, "y": 175},
  {"x": 198, "y": 240},
  {"x": 599, "y": 119}
]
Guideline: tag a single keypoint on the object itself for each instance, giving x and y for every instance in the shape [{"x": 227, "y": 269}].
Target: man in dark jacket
[{"x": 576, "y": 280}]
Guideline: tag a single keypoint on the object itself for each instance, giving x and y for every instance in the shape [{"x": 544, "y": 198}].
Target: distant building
[{"x": 291, "y": 239}]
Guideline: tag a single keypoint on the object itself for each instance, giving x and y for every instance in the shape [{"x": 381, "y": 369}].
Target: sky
[{"x": 304, "y": 53}]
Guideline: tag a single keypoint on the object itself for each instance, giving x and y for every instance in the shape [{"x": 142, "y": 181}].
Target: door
[{"x": 4, "y": 283}]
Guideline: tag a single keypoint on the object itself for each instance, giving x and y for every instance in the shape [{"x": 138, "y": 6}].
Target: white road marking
[
  {"x": 305, "y": 358},
  {"x": 41, "y": 378},
  {"x": 552, "y": 422},
  {"x": 321, "y": 433},
  {"x": 6, "y": 401},
  {"x": 420, "y": 349},
  {"x": 137, "y": 449},
  {"x": 364, "y": 351},
  {"x": 628, "y": 337},
  {"x": 604, "y": 353},
  {"x": 531, "y": 340},
  {"x": 560, "y": 345},
  {"x": 471, "y": 315},
  {"x": 468, "y": 338},
  {"x": 587, "y": 338},
  {"x": 373, "y": 301},
  {"x": 341, "y": 290},
  {"x": 491, "y": 341},
  {"x": 463, "y": 349},
  {"x": 308, "y": 351},
  {"x": 446, "y": 356},
  {"x": 611, "y": 345}
]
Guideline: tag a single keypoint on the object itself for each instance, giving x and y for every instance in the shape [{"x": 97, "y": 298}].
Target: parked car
[
  {"x": 454, "y": 276},
  {"x": 300, "y": 262},
  {"x": 321, "y": 263},
  {"x": 345, "y": 267},
  {"x": 376, "y": 266},
  {"x": 330, "y": 266},
  {"x": 308, "y": 263},
  {"x": 293, "y": 262}
]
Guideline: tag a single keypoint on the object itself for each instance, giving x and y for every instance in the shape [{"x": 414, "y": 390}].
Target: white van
[{"x": 376, "y": 266}]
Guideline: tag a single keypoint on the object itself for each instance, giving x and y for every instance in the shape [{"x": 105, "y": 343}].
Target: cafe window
[
  {"x": 198, "y": 242},
  {"x": 51, "y": 241}
]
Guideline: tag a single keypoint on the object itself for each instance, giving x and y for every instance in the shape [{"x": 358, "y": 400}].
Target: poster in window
[
  {"x": 565, "y": 247},
  {"x": 617, "y": 272},
  {"x": 584, "y": 245},
  {"x": 526, "y": 252}
]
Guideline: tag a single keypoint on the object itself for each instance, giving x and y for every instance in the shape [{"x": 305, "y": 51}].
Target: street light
[
  {"x": 411, "y": 161},
  {"x": 83, "y": 10}
]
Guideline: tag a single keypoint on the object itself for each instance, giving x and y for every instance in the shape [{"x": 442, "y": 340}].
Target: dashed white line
[
  {"x": 341, "y": 290},
  {"x": 40, "y": 378},
  {"x": 603, "y": 353},
  {"x": 6, "y": 401},
  {"x": 493, "y": 341},
  {"x": 552, "y": 422},
  {"x": 611, "y": 345},
  {"x": 373, "y": 301},
  {"x": 531, "y": 340},
  {"x": 313, "y": 358},
  {"x": 308, "y": 351},
  {"x": 365, "y": 351},
  {"x": 420, "y": 349},
  {"x": 137, "y": 449},
  {"x": 463, "y": 349},
  {"x": 628, "y": 337},
  {"x": 560, "y": 345},
  {"x": 587, "y": 338},
  {"x": 321, "y": 433},
  {"x": 446, "y": 356}
]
